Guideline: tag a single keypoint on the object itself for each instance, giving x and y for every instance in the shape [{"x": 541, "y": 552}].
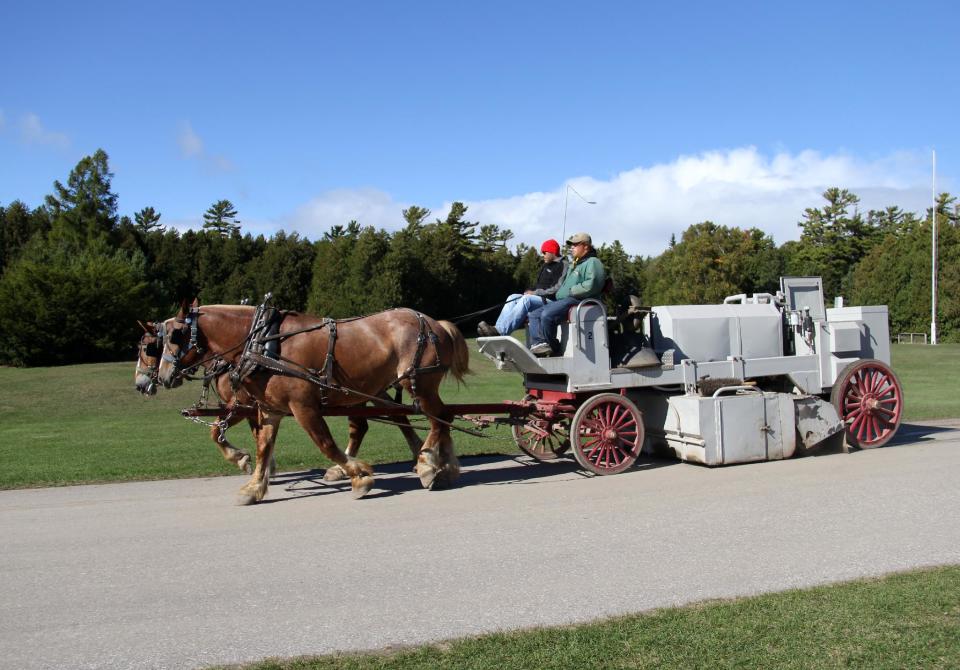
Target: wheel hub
[{"x": 610, "y": 435}]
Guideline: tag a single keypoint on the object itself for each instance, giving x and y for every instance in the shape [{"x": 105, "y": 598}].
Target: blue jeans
[
  {"x": 514, "y": 314},
  {"x": 544, "y": 322}
]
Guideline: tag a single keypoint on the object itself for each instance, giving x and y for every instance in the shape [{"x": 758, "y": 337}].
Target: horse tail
[{"x": 460, "y": 364}]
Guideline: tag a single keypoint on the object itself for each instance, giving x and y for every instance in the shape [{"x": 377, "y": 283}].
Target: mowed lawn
[
  {"x": 86, "y": 423},
  {"x": 909, "y": 620}
]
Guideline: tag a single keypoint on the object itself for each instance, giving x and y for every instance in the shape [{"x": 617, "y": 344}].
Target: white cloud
[
  {"x": 367, "y": 206},
  {"x": 740, "y": 187},
  {"x": 220, "y": 163},
  {"x": 32, "y": 131},
  {"x": 191, "y": 146},
  {"x": 644, "y": 206}
]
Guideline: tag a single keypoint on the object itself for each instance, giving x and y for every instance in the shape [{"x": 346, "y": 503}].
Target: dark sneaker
[
  {"x": 486, "y": 330},
  {"x": 540, "y": 350}
]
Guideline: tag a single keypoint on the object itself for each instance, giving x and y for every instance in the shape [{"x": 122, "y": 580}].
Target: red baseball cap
[{"x": 552, "y": 246}]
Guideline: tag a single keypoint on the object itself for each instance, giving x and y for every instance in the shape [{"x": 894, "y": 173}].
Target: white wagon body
[{"x": 755, "y": 378}]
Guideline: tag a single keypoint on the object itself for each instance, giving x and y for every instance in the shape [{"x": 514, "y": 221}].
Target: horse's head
[
  {"x": 181, "y": 348},
  {"x": 149, "y": 350}
]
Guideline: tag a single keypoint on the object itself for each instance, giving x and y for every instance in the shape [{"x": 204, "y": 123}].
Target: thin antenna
[
  {"x": 933, "y": 253},
  {"x": 566, "y": 195}
]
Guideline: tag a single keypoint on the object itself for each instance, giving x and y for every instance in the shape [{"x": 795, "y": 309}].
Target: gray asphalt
[{"x": 171, "y": 575}]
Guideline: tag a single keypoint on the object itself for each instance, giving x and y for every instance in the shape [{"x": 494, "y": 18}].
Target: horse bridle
[
  {"x": 144, "y": 351},
  {"x": 193, "y": 345}
]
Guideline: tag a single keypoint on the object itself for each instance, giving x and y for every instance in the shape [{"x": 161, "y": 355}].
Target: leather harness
[{"x": 262, "y": 352}]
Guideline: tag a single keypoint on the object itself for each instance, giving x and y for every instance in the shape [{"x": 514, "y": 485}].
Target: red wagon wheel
[
  {"x": 607, "y": 434},
  {"x": 869, "y": 399},
  {"x": 540, "y": 438}
]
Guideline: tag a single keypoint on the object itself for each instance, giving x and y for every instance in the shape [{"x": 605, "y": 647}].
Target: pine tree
[
  {"x": 833, "y": 241},
  {"x": 17, "y": 226},
  {"x": 221, "y": 217},
  {"x": 85, "y": 207},
  {"x": 148, "y": 220},
  {"x": 415, "y": 216},
  {"x": 66, "y": 302}
]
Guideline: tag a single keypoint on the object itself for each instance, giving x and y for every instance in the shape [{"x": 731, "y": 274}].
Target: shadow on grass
[{"x": 397, "y": 478}]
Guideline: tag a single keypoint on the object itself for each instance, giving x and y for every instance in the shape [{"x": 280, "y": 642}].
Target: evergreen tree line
[{"x": 75, "y": 276}]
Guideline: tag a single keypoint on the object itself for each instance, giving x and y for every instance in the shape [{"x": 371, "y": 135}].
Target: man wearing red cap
[
  {"x": 514, "y": 312},
  {"x": 585, "y": 279}
]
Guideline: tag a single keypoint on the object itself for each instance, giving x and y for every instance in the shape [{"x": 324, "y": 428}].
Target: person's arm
[
  {"x": 593, "y": 278},
  {"x": 552, "y": 290}
]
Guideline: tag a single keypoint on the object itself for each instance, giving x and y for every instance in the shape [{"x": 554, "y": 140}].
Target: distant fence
[{"x": 912, "y": 338}]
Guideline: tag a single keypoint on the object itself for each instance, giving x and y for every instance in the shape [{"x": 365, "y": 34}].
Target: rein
[{"x": 466, "y": 317}]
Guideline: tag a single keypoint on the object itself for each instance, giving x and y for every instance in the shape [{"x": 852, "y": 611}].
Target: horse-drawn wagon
[{"x": 756, "y": 378}]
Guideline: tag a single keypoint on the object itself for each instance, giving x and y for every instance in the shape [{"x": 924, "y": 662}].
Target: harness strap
[
  {"x": 426, "y": 334},
  {"x": 192, "y": 319},
  {"x": 330, "y": 361},
  {"x": 266, "y": 320}
]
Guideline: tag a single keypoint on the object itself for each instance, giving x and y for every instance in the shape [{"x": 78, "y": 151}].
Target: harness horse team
[
  {"x": 756, "y": 378},
  {"x": 320, "y": 366}
]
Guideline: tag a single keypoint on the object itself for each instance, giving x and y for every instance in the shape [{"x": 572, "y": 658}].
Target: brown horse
[
  {"x": 149, "y": 350},
  {"x": 372, "y": 354}
]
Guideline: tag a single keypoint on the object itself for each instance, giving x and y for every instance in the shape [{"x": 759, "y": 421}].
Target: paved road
[{"x": 171, "y": 575}]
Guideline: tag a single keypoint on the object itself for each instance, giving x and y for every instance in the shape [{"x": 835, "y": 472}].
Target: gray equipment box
[
  {"x": 742, "y": 427},
  {"x": 706, "y": 333}
]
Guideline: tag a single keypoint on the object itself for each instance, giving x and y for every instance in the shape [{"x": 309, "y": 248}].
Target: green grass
[
  {"x": 929, "y": 378},
  {"x": 85, "y": 423},
  {"x": 909, "y": 620}
]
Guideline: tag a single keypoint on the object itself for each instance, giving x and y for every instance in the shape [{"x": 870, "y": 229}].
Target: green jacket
[{"x": 585, "y": 279}]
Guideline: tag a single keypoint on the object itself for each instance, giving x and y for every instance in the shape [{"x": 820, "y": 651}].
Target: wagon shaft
[{"x": 241, "y": 411}]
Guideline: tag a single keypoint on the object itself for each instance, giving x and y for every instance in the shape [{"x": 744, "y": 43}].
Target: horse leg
[
  {"x": 230, "y": 453},
  {"x": 410, "y": 435},
  {"x": 266, "y": 432},
  {"x": 360, "y": 472},
  {"x": 255, "y": 430},
  {"x": 437, "y": 465},
  {"x": 413, "y": 440},
  {"x": 358, "y": 428}
]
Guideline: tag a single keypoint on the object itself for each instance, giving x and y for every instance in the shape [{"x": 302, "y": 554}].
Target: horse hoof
[
  {"x": 334, "y": 474},
  {"x": 244, "y": 464},
  {"x": 362, "y": 486},
  {"x": 428, "y": 477},
  {"x": 245, "y": 499},
  {"x": 444, "y": 479}
]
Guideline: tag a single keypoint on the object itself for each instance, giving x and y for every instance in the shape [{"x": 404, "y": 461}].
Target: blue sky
[{"x": 310, "y": 114}]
